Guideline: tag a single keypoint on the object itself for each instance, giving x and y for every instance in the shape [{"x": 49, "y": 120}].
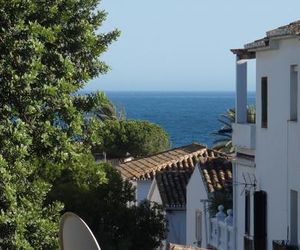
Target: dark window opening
[
  {"x": 247, "y": 213},
  {"x": 294, "y": 216},
  {"x": 293, "y": 93},
  {"x": 260, "y": 220},
  {"x": 264, "y": 102}
]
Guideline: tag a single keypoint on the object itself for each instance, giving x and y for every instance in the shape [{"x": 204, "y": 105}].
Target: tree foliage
[
  {"x": 138, "y": 138},
  {"x": 96, "y": 105},
  {"x": 104, "y": 206},
  {"x": 48, "y": 51}
]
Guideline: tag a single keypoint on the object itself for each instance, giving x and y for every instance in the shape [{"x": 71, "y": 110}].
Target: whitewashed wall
[
  {"x": 142, "y": 189},
  {"x": 153, "y": 194},
  {"x": 278, "y": 146},
  {"x": 195, "y": 192},
  {"x": 242, "y": 171},
  {"x": 176, "y": 226}
]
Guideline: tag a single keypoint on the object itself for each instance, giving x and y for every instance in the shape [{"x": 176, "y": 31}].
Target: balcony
[
  {"x": 221, "y": 236},
  {"x": 243, "y": 135}
]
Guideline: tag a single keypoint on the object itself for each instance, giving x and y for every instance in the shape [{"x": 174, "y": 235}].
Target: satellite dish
[{"x": 74, "y": 234}]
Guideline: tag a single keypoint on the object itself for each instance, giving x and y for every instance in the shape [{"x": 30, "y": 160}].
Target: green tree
[
  {"x": 104, "y": 207},
  {"x": 223, "y": 140},
  {"x": 48, "y": 51},
  {"x": 145, "y": 138},
  {"x": 96, "y": 105},
  {"x": 138, "y": 138}
]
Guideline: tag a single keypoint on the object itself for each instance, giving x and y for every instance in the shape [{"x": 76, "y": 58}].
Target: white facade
[
  {"x": 153, "y": 194},
  {"x": 142, "y": 189},
  {"x": 242, "y": 170},
  {"x": 275, "y": 167},
  {"x": 176, "y": 226},
  {"x": 196, "y": 204},
  {"x": 202, "y": 228},
  {"x": 278, "y": 173}
]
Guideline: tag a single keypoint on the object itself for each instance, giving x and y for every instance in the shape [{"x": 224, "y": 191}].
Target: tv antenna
[{"x": 249, "y": 182}]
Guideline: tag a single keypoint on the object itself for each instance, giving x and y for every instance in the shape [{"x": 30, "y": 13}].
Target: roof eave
[
  {"x": 244, "y": 53},
  {"x": 175, "y": 208}
]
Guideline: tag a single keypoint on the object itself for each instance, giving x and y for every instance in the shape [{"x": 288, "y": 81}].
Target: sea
[{"x": 186, "y": 116}]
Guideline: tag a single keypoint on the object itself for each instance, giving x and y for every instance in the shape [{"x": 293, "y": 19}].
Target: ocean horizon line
[{"x": 164, "y": 91}]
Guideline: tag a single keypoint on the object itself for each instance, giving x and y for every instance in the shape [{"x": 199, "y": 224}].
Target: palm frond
[{"x": 223, "y": 141}]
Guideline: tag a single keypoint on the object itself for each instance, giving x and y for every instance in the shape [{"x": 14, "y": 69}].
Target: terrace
[{"x": 243, "y": 136}]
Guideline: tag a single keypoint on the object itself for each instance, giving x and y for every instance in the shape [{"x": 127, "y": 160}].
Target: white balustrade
[
  {"x": 214, "y": 232},
  {"x": 222, "y": 231}
]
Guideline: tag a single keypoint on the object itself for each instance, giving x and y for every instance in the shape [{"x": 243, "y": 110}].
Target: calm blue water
[{"x": 186, "y": 116}]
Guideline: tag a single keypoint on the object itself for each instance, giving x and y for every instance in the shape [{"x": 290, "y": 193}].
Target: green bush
[{"x": 138, "y": 138}]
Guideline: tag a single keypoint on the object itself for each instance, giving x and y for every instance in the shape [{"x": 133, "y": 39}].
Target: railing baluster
[{"x": 222, "y": 232}]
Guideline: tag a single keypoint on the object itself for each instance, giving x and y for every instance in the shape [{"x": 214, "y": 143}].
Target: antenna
[
  {"x": 249, "y": 182},
  {"x": 74, "y": 234}
]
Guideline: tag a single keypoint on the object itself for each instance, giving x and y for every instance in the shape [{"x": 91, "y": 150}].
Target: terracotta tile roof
[
  {"x": 291, "y": 29},
  {"x": 172, "y": 187},
  {"x": 184, "y": 157},
  {"x": 216, "y": 173},
  {"x": 181, "y": 247}
]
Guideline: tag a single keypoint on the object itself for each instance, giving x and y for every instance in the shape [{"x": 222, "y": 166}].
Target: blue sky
[{"x": 183, "y": 45}]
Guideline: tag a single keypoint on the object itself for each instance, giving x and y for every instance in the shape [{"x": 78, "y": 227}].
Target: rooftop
[
  {"x": 180, "y": 158},
  {"x": 172, "y": 187},
  {"x": 289, "y": 30},
  {"x": 216, "y": 173},
  {"x": 181, "y": 247}
]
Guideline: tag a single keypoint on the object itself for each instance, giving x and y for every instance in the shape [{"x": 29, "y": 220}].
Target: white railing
[{"x": 222, "y": 231}]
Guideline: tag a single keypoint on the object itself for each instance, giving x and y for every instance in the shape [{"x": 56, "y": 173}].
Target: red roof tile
[
  {"x": 183, "y": 157},
  {"x": 181, "y": 247},
  {"x": 291, "y": 29},
  {"x": 216, "y": 173},
  {"x": 172, "y": 186}
]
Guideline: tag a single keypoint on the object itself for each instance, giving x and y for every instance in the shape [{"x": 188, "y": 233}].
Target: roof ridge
[
  {"x": 184, "y": 157},
  {"x": 171, "y": 149}
]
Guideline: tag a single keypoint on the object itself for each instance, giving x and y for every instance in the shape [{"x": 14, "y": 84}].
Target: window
[
  {"x": 260, "y": 220},
  {"x": 294, "y": 217},
  {"x": 264, "y": 102},
  {"x": 198, "y": 226},
  {"x": 293, "y": 93},
  {"x": 247, "y": 212}
]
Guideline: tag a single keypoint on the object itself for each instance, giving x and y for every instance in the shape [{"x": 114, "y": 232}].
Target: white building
[
  {"x": 163, "y": 178},
  {"x": 211, "y": 175},
  {"x": 141, "y": 171},
  {"x": 267, "y": 167}
]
